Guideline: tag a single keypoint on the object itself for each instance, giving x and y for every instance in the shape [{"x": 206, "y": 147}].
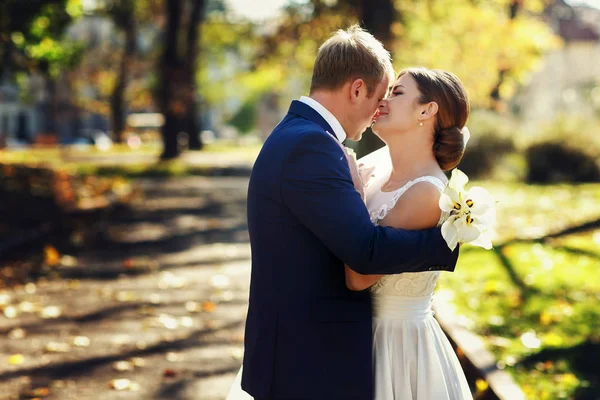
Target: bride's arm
[{"x": 416, "y": 209}]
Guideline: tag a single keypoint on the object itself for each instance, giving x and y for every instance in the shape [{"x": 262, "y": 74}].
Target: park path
[{"x": 154, "y": 309}]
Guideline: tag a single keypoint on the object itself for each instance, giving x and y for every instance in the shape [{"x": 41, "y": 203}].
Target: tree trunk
[
  {"x": 377, "y": 17},
  {"x": 191, "y": 118},
  {"x": 50, "y": 125},
  {"x": 170, "y": 74},
  {"x": 495, "y": 99},
  {"x": 117, "y": 99}
]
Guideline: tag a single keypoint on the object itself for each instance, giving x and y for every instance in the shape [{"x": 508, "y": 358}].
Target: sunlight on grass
[{"x": 536, "y": 303}]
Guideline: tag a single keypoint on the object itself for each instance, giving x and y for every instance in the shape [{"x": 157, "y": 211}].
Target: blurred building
[{"x": 568, "y": 80}]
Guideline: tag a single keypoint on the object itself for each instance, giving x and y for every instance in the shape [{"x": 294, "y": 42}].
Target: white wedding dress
[{"x": 412, "y": 358}]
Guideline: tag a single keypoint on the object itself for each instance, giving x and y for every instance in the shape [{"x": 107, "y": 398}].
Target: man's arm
[
  {"x": 317, "y": 187},
  {"x": 416, "y": 209}
]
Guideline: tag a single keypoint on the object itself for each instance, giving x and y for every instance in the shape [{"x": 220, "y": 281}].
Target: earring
[{"x": 420, "y": 123}]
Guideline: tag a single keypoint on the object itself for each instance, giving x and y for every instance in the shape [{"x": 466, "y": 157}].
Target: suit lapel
[{"x": 307, "y": 112}]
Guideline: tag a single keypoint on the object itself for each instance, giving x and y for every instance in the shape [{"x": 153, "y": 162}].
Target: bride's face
[{"x": 401, "y": 110}]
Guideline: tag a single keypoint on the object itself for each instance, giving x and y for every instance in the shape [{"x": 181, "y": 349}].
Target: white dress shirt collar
[{"x": 338, "y": 131}]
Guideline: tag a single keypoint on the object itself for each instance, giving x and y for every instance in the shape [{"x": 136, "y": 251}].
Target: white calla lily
[
  {"x": 479, "y": 200},
  {"x": 471, "y": 214},
  {"x": 467, "y": 230},
  {"x": 449, "y": 232},
  {"x": 458, "y": 180},
  {"x": 484, "y": 240}
]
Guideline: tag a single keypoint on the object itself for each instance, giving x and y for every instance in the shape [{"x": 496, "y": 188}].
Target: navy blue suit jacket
[{"x": 307, "y": 335}]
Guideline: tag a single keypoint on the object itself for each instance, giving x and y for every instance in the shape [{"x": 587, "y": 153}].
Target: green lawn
[{"x": 535, "y": 299}]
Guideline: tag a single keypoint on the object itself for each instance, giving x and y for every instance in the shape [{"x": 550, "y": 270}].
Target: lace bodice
[{"x": 413, "y": 284}]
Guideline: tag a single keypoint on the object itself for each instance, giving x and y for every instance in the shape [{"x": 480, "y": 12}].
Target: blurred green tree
[
  {"x": 32, "y": 41},
  {"x": 490, "y": 45}
]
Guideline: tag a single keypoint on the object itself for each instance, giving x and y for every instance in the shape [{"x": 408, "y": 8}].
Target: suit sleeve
[{"x": 317, "y": 188}]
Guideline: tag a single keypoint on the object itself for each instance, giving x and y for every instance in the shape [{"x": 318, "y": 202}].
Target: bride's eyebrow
[{"x": 397, "y": 87}]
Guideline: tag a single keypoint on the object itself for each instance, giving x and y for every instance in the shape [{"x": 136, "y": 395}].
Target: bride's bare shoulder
[{"x": 417, "y": 208}]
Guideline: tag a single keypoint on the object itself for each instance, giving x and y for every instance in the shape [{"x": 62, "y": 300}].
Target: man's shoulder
[{"x": 297, "y": 131}]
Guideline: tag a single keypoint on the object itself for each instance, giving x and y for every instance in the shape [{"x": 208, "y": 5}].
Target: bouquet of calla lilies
[{"x": 471, "y": 213}]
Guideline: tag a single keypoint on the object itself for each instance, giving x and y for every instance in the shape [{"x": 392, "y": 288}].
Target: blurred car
[{"x": 91, "y": 137}]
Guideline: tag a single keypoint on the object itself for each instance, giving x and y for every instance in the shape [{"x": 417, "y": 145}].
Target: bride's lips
[{"x": 379, "y": 115}]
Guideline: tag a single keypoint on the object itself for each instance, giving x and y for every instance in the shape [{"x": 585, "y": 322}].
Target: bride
[{"x": 422, "y": 122}]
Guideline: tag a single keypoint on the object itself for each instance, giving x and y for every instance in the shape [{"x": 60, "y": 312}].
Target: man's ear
[
  {"x": 358, "y": 88},
  {"x": 429, "y": 110}
]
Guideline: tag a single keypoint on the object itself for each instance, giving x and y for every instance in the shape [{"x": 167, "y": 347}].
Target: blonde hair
[{"x": 348, "y": 55}]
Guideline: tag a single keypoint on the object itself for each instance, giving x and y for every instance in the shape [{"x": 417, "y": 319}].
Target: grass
[{"x": 535, "y": 298}]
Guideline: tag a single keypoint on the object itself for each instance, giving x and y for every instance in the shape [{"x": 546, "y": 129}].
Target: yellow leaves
[
  {"x": 491, "y": 286},
  {"x": 81, "y": 341},
  {"x": 568, "y": 379},
  {"x": 545, "y": 318},
  {"x": 74, "y": 8},
  {"x": 123, "y": 366},
  {"x": 17, "y": 334},
  {"x": 552, "y": 339},
  {"x": 16, "y": 359},
  {"x": 473, "y": 40},
  {"x": 18, "y": 38},
  {"x": 10, "y": 312},
  {"x": 51, "y": 256},
  {"x": 57, "y": 347},
  {"x": 481, "y": 385},
  {"x": 124, "y": 384},
  {"x": 51, "y": 312},
  {"x": 209, "y": 306},
  {"x": 38, "y": 393}
]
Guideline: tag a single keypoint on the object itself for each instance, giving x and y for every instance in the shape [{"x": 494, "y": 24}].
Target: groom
[{"x": 307, "y": 335}]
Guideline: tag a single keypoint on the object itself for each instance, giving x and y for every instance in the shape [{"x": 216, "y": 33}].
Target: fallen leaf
[
  {"x": 27, "y": 306},
  {"x": 192, "y": 306},
  {"x": 16, "y": 359},
  {"x": 68, "y": 261},
  {"x": 126, "y": 296},
  {"x": 220, "y": 281},
  {"x": 38, "y": 393},
  {"x": 81, "y": 341},
  {"x": 17, "y": 333},
  {"x": 137, "y": 361},
  {"x": 57, "y": 347},
  {"x": 481, "y": 385},
  {"x": 174, "y": 357},
  {"x": 51, "y": 312},
  {"x": 169, "y": 373},
  {"x": 123, "y": 366},
  {"x": 51, "y": 256},
  {"x": 10, "y": 312},
  {"x": 123, "y": 384}
]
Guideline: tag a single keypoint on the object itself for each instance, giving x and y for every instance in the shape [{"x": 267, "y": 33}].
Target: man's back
[{"x": 307, "y": 335}]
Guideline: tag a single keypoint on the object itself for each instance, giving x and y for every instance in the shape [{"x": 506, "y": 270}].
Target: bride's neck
[{"x": 412, "y": 156}]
